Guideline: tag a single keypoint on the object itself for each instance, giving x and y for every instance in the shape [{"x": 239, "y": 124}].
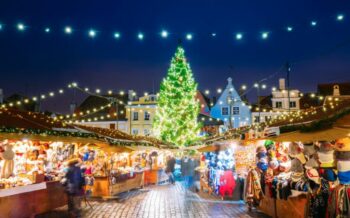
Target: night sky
[{"x": 32, "y": 62}]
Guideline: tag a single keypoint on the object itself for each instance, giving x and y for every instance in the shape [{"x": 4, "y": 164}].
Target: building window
[
  {"x": 235, "y": 110},
  {"x": 278, "y": 104},
  {"x": 135, "y": 116},
  {"x": 256, "y": 119},
  {"x": 147, "y": 115},
  {"x": 112, "y": 125},
  {"x": 292, "y": 104},
  {"x": 224, "y": 111},
  {"x": 135, "y": 131},
  {"x": 146, "y": 132}
]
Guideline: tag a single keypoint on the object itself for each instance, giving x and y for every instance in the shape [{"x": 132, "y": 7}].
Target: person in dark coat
[
  {"x": 170, "y": 168},
  {"x": 74, "y": 182},
  {"x": 187, "y": 171}
]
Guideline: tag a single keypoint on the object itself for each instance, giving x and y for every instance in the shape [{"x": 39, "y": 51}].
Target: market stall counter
[
  {"x": 109, "y": 186},
  {"x": 30, "y": 200}
]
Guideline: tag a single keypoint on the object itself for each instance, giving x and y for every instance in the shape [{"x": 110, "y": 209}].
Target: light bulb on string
[
  {"x": 213, "y": 34},
  {"x": 289, "y": 28},
  {"x": 313, "y": 23},
  {"x": 239, "y": 36},
  {"x": 92, "y": 33},
  {"x": 68, "y": 30},
  {"x": 164, "y": 34},
  {"x": 189, "y": 36},
  {"x": 47, "y": 30},
  {"x": 340, "y": 17},
  {"x": 21, "y": 27},
  {"x": 116, "y": 35},
  {"x": 140, "y": 36},
  {"x": 265, "y": 35},
  {"x": 1, "y": 26}
]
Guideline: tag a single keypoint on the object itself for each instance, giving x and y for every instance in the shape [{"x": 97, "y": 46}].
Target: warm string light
[
  {"x": 33, "y": 99},
  {"x": 92, "y": 33}
]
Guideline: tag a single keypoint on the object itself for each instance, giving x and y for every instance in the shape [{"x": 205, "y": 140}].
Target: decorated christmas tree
[{"x": 176, "y": 117}]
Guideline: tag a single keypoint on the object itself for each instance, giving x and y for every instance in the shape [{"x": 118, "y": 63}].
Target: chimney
[
  {"x": 336, "y": 90},
  {"x": 1, "y": 96},
  {"x": 282, "y": 83}
]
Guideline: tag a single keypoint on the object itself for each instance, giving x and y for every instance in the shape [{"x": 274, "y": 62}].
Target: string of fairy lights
[
  {"x": 94, "y": 33},
  {"x": 88, "y": 114}
]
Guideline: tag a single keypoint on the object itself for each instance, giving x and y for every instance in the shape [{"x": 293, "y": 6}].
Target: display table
[
  {"x": 155, "y": 176},
  {"x": 293, "y": 207},
  {"x": 104, "y": 188},
  {"x": 30, "y": 200}
]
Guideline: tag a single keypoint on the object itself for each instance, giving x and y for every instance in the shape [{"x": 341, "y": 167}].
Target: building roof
[
  {"x": 96, "y": 102},
  {"x": 14, "y": 118},
  {"x": 326, "y": 89},
  {"x": 30, "y": 106},
  {"x": 330, "y": 108}
]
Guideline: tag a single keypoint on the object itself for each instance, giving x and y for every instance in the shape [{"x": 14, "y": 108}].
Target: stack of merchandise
[
  {"x": 221, "y": 176},
  {"x": 339, "y": 200}
]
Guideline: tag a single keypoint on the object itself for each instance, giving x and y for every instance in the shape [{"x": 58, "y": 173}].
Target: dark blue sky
[{"x": 33, "y": 62}]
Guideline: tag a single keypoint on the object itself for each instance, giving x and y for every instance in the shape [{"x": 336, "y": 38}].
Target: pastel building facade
[{"x": 231, "y": 109}]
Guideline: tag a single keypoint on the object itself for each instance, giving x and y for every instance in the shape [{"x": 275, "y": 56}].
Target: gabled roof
[
  {"x": 14, "y": 118},
  {"x": 326, "y": 89},
  {"x": 92, "y": 102},
  {"x": 30, "y": 106}
]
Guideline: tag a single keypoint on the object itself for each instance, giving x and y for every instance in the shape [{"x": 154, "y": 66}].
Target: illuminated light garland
[
  {"x": 165, "y": 34},
  {"x": 32, "y": 99}
]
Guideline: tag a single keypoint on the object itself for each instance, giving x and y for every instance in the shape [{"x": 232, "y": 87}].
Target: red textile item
[{"x": 227, "y": 184}]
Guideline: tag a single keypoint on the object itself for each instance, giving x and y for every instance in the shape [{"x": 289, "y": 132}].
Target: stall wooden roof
[
  {"x": 11, "y": 117},
  {"x": 117, "y": 134}
]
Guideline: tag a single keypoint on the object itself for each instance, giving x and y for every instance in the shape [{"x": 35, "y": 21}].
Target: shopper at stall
[
  {"x": 187, "y": 171},
  {"x": 170, "y": 168},
  {"x": 74, "y": 186}
]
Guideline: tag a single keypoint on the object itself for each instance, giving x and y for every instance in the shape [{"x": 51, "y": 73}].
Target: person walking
[
  {"x": 170, "y": 168},
  {"x": 74, "y": 182}
]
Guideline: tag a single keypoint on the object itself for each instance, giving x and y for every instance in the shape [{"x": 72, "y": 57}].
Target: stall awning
[
  {"x": 324, "y": 135},
  {"x": 48, "y": 138}
]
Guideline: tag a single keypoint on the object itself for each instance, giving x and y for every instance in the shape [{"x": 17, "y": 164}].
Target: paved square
[{"x": 166, "y": 201}]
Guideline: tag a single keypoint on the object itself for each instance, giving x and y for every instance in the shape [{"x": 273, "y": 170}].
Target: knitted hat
[
  {"x": 285, "y": 166},
  {"x": 326, "y": 146},
  {"x": 343, "y": 166},
  {"x": 313, "y": 175},
  {"x": 297, "y": 176},
  {"x": 312, "y": 163},
  {"x": 309, "y": 149},
  {"x": 326, "y": 159},
  {"x": 261, "y": 149},
  {"x": 344, "y": 177},
  {"x": 296, "y": 166},
  {"x": 295, "y": 148},
  {"x": 261, "y": 154},
  {"x": 274, "y": 163},
  {"x": 343, "y": 144},
  {"x": 328, "y": 174},
  {"x": 342, "y": 155}
]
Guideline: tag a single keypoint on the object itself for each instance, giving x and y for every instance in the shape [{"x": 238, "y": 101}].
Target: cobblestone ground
[{"x": 166, "y": 201}]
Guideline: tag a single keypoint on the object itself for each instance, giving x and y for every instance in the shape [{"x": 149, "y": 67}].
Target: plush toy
[{"x": 7, "y": 162}]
